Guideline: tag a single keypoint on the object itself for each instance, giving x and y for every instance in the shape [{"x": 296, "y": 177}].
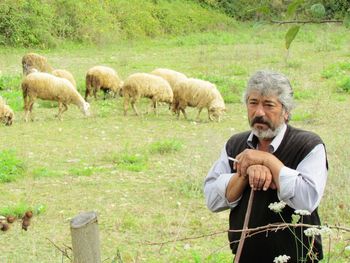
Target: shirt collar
[{"x": 253, "y": 140}]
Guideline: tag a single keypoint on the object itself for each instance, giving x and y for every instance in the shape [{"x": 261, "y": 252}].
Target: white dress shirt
[{"x": 301, "y": 188}]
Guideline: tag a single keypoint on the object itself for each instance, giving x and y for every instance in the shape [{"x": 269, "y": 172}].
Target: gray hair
[{"x": 271, "y": 83}]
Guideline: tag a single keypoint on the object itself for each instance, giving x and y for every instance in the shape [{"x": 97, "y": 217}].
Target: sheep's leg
[
  {"x": 104, "y": 94},
  {"x": 65, "y": 108},
  {"x": 126, "y": 104},
  {"x": 183, "y": 112},
  {"x": 199, "y": 112},
  {"x": 60, "y": 110},
  {"x": 134, "y": 107},
  {"x": 155, "y": 107},
  {"x": 210, "y": 116},
  {"x": 87, "y": 93},
  {"x": 95, "y": 92},
  {"x": 30, "y": 107}
]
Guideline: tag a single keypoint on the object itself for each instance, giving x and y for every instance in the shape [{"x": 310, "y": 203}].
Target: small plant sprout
[
  {"x": 281, "y": 259},
  {"x": 277, "y": 207},
  {"x": 302, "y": 212}
]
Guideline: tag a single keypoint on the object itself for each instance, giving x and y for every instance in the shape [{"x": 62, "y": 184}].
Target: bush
[{"x": 46, "y": 23}]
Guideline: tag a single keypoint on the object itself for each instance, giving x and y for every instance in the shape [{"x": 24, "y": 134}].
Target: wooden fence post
[{"x": 85, "y": 238}]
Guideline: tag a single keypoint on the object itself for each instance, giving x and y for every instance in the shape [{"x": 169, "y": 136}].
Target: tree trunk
[{"x": 85, "y": 238}]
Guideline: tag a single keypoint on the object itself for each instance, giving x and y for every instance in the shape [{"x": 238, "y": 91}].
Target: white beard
[{"x": 267, "y": 134}]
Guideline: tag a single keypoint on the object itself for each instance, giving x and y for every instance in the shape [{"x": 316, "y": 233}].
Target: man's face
[{"x": 266, "y": 115}]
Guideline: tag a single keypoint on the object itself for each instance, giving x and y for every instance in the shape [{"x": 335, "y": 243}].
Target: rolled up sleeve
[{"x": 215, "y": 185}]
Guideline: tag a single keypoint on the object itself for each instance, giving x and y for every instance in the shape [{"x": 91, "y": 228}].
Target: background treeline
[
  {"x": 46, "y": 23},
  {"x": 273, "y": 9}
]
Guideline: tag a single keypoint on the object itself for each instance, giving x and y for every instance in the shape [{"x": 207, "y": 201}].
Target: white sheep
[
  {"x": 6, "y": 113},
  {"x": 35, "y": 61},
  {"x": 62, "y": 73},
  {"x": 40, "y": 85},
  {"x": 104, "y": 78},
  {"x": 169, "y": 75},
  {"x": 198, "y": 93},
  {"x": 146, "y": 85}
]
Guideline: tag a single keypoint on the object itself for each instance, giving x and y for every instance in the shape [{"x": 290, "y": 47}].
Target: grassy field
[{"x": 144, "y": 175}]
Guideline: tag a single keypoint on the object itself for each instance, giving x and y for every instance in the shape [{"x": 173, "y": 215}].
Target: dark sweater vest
[{"x": 264, "y": 247}]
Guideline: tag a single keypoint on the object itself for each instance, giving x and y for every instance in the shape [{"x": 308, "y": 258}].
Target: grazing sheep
[
  {"x": 62, "y": 73},
  {"x": 146, "y": 85},
  {"x": 6, "y": 113},
  {"x": 48, "y": 87},
  {"x": 104, "y": 78},
  {"x": 198, "y": 93},
  {"x": 36, "y": 61},
  {"x": 169, "y": 75}
]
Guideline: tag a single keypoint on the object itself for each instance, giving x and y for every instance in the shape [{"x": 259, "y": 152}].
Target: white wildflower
[
  {"x": 187, "y": 246},
  {"x": 312, "y": 231},
  {"x": 347, "y": 248},
  {"x": 277, "y": 206},
  {"x": 325, "y": 230},
  {"x": 302, "y": 212},
  {"x": 281, "y": 259}
]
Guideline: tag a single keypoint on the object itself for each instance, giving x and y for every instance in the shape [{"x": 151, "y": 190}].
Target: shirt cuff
[{"x": 287, "y": 180}]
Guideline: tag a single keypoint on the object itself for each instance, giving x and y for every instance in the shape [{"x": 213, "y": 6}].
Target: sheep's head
[
  {"x": 215, "y": 113},
  {"x": 86, "y": 108},
  {"x": 7, "y": 117}
]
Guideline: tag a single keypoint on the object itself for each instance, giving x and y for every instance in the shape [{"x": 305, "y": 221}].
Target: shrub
[{"x": 46, "y": 23}]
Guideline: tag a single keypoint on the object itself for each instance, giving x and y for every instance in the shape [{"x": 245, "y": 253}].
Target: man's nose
[{"x": 260, "y": 110}]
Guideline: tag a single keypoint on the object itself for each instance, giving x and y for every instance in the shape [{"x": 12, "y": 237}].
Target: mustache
[{"x": 260, "y": 120}]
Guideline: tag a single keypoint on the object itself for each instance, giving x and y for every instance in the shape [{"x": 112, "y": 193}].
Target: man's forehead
[{"x": 262, "y": 97}]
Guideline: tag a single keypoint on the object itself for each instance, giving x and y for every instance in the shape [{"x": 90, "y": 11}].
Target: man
[{"x": 280, "y": 163}]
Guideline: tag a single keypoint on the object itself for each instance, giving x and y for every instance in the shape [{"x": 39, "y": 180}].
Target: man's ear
[{"x": 286, "y": 117}]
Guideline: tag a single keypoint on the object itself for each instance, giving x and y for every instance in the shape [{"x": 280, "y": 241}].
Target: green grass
[
  {"x": 17, "y": 210},
  {"x": 165, "y": 146},
  {"x": 105, "y": 162},
  {"x": 11, "y": 167}
]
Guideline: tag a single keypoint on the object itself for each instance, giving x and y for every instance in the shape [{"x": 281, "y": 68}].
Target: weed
[
  {"x": 13, "y": 98},
  {"x": 11, "y": 168},
  {"x": 131, "y": 162},
  {"x": 17, "y": 210},
  {"x": 85, "y": 171},
  {"x": 45, "y": 172},
  {"x": 10, "y": 82},
  {"x": 344, "y": 84},
  {"x": 165, "y": 146}
]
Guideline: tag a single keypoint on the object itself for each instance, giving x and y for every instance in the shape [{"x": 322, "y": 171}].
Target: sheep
[
  {"x": 198, "y": 93},
  {"x": 36, "y": 61},
  {"x": 6, "y": 113},
  {"x": 62, "y": 73},
  {"x": 104, "y": 78},
  {"x": 48, "y": 87},
  {"x": 146, "y": 85},
  {"x": 169, "y": 75}
]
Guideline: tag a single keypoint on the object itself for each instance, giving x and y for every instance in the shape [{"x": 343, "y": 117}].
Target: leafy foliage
[
  {"x": 291, "y": 34},
  {"x": 46, "y": 23},
  {"x": 318, "y": 11}
]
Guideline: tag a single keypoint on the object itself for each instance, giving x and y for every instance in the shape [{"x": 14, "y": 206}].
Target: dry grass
[{"x": 164, "y": 200}]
